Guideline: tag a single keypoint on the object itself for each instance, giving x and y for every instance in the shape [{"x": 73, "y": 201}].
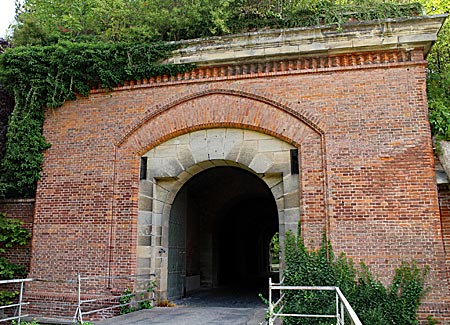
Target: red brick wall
[
  {"x": 444, "y": 205},
  {"x": 22, "y": 210},
  {"x": 367, "y": 172}
]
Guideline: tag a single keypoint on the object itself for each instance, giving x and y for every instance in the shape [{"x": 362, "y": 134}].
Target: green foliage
[
  {"x": 11, "y": 233},
  {"x": 438, "y": 77},
  {"x": 146, "y": 303},
  {"x": 10, "y": 270},
  {"x": 275, "y": 248},
  {"x": 373, "y": 302},
  {"x": 33, "y": 322},
  {"x": 47, "y": 76},
  {"x": 46, "y": 22},
  {"x": 126, "y": 300},
  {"x": 7, "y": 297}
]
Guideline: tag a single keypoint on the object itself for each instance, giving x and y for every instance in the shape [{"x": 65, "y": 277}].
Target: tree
[{"x": 45, "y": 22}]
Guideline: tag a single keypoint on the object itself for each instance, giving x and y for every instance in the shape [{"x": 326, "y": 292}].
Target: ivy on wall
[
  {"x": 373, "y": 302},
  {"x": 47, "y": 76}
]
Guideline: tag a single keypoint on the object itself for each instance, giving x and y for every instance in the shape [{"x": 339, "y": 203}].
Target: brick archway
[{"x": 208, "y": 112}]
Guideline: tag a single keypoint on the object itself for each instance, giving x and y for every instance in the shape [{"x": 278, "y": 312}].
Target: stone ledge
[
  {"x": 11, "y": 201},
  {"x": 390, "y": 34}
]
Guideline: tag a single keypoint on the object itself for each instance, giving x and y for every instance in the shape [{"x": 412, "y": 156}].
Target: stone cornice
[{"x": 391, "y": 34}]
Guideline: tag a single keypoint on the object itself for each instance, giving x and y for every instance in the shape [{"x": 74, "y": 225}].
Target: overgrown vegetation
[
  {"x": 438, "y": 83},
  {"x": 46, "y": 22},
  {"x": 47, "y": 76},
  {"x": 374, "y": 303},
  {"x": 12, "y": 234}
]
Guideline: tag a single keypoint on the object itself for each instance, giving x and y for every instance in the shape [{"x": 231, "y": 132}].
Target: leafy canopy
[
  {"x": 46, "y": 22},
  {"x": 438, "y": 84}
]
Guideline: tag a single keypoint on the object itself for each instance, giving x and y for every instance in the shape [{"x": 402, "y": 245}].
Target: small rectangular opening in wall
[
  {"x": 294, "y": 161},
  {"x": 143, "y": 172}
]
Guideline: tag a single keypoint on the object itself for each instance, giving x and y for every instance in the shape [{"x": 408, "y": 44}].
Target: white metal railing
[
  {"x": 342, "y": 305},
  {"x": 102, "y": 302},
  {"x": 94, "y": 295},
  {"x": 18, "y": 306}
]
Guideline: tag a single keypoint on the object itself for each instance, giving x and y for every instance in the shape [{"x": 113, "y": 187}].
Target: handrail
[
  {"x": 19, "y": 315},
  {"x": 348, "y": 307},
  {"x": 78, "y": 317},
  {"x": 342, "y": 304}
]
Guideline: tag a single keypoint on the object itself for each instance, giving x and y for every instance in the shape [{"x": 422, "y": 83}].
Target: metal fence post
[
  {"x": 20, "y": 302},
  {"x": 270, "y": 303},
  {"x": 78, "y": 314},
  {"x": 337, "y": 308}
]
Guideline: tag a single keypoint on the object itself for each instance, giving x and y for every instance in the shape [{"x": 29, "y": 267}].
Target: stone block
[
  {"x": 144, "y": 240},
  {"x": 270, "y": 145},
  {"x": 277, "y": 191},
  {"x": 145, "y": 203},
  {"x": 144, "y": 251},
  {"x": 165, "y": 167},
  {"x": 146, "y": 187},
  {"x": 144, "y": 218},
  {"x": 248, "y": 151},
  {"x": 291, "y": 183},
  {"x": 144, "y": 230},
  {"x": 291, "y": 200},
  {"x": 253, "y": 135},
  {"x": 156, "y": 219},
  {"x": 216, "y": 138},
  {"x": 261, "y": 162},
  {"x": 179, "y": 140},
  {"x": 199, "y": 146},
  {"x": 272, "y": 179},
  {"x": 184, "y": 156},
  {"x": 280, "y": 203},
  {"x": 292, "y": 215},
  {"x": 165, "y": 151}
]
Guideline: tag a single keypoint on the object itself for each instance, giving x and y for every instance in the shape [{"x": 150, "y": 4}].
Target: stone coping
[
  {"x": 398, "y": 33},
  {"x": 9, "y": 201}
]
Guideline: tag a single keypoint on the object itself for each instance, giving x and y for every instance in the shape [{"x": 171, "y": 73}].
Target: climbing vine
[
  {"x": 47, "y": 76},
  {"x": 374, "y": 303},
  {"x": 12, "y": 234}
]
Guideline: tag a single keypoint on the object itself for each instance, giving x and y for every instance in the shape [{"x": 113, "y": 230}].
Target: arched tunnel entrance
[{"x": 220, "y": 227}]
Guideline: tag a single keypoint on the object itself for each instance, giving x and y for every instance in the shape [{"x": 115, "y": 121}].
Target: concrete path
[
  {"x": 207, "y": 307},
  {"x": 189, "y": 315}
]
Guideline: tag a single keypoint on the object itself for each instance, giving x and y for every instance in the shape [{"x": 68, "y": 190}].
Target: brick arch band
[
  {"x": 300, "y": 113},
  {"x": 213, "y": 111}
]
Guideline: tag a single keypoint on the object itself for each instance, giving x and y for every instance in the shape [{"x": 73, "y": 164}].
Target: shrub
[{"x": 372, "y": 301}]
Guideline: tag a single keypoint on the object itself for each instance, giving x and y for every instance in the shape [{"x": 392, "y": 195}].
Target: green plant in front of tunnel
[
  {"x": 374, "y": 303},
  {"x": 125, "y": 301},
  {"x": 146, "y": 298}
]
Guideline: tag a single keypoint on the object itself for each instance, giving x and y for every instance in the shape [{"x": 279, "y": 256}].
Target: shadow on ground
[{"x": 215, "y": 306}]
